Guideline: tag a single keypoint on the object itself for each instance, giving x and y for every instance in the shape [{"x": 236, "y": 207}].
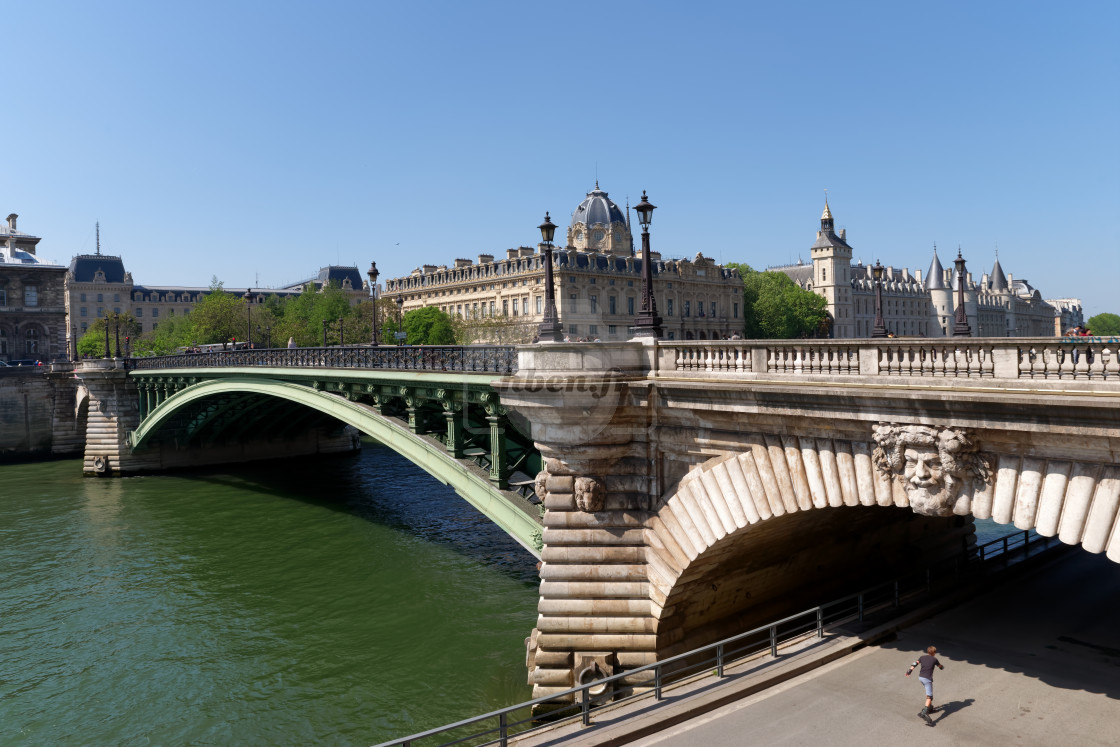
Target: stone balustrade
[{"x": 1047, "y": 358}]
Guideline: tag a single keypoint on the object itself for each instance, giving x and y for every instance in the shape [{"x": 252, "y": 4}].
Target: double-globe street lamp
[
  {"x": 249, "y": 307},
  {"x": 372, "y": 272},
  {"x": 960, "y": 324},
  {"x": 648, "y": 323},
  {"x": 549, "y": 329},
  {"x": 880, "y": 328}
]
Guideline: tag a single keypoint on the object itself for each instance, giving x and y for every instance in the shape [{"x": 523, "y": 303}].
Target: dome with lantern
[{"x": 599, "y": 225}]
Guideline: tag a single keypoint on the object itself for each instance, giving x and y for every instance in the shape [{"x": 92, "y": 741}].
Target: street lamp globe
[
  {"x": 548, "y": 229},
  {"x": 645, "y": 211}
]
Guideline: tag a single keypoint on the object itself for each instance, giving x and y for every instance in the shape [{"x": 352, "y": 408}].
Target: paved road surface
[{"x": 1034, "y": 662}]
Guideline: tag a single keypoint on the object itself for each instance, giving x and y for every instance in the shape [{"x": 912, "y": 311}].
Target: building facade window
[
  {"x": 4, "y": 342},
  {"x": 100, "y": 312},
  {"x": 669, "y": 307},
  {"x": 82, "y": 311},
  {"x": 630, "y": 306},
  {"x": 540, "y": 303},
  {"x": 612, "y": 329},
  {"x": 735, "y": 309},
  {"x": 593, "y": 329},
  {"x": 688, "y": 308},
  {"x": 594, "y": 304},
  {"x": 31, "y": 295},
  {"x": 100, "y": 298},
  {"x": 31, "y": 337},
  {"x": 116, "y": 298},
  {"x": 155, "y": 312},
  {"x": 713, "y": 309},
  {"x": 611, "y": 305},
  {"x": 139, "y": 311},
  {"x": 573, "y": 329}
]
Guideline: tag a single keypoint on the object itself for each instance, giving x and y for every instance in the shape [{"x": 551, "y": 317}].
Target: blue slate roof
[
  {"x": 85, "y": 266},
  {"x": 597, "y": 208}
]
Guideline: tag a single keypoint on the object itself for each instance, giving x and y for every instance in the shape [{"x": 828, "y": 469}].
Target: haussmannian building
[
  {"x": 98, "y": 284},
  {"x": 598, "y": 283},
  {"x": 998, "y": 305},
  {"x": 32, "y": 299}
]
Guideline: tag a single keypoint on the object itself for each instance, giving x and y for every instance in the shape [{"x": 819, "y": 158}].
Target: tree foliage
[
  {"x": 428, "y": 326},
  {"x": 1104, "y": 324},
  {"x": 92, "y": 343},
  {"x": 775, "y": 307}
]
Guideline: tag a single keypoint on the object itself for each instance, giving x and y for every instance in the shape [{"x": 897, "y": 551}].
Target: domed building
[
  {"x": 598, "y": 285},
  {"x": 598, "y": 225}
]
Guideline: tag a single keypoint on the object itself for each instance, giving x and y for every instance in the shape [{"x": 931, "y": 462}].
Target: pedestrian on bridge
[
  {"x": 291, "y": 342},
  {"x": 925, "y": 665}
]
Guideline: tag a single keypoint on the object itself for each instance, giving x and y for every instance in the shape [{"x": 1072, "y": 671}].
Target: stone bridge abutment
[{"x": 686, "y": 503}]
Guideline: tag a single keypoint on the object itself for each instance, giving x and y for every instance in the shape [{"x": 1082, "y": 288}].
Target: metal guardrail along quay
[{"x": 746, "y": 652}]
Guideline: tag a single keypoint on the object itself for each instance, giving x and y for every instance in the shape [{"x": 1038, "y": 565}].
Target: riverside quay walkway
[{"x": 676, "y": 492}]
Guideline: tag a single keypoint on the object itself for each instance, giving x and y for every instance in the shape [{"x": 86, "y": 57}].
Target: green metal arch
[{"x": 435, "y": 461}]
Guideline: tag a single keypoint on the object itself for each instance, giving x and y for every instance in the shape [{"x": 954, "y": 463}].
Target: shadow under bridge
[{"x": 451, "y": 425}]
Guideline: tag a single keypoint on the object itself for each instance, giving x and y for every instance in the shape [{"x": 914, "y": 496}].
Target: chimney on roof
[{"x": 12, "y": 221}]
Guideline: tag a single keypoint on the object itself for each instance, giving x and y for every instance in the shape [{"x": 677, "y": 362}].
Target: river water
[
  {"x": 343, "y": 600},
  {"x": 346, "y": 600}
]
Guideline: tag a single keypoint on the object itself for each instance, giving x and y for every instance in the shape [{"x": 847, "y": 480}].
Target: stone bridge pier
[
  {"x": 686, "y": 503},
  {"x": 114, "y": 404}
]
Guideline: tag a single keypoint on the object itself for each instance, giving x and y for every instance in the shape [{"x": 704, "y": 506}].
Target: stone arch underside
[
  {"x": 434, "y": 460},
  {"x": 706, "y": 528}
]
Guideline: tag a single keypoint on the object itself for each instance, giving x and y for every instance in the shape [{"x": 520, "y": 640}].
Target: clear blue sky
[{"x": 237, "y": 139}]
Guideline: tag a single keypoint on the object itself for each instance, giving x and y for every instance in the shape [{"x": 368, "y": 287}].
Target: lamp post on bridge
[
  {"x": 960, "y": 324},
  {"x": 648, "y": 323},
  {"x": 107, "y": 335},
  {"x": 372, "y": 273},
  {"x": 400, "y": 318},
  {"x": 249, "y": 324},
  {"x": 549, "y": 329},
  {"x": 880, "y": 328},
  {"x": 324, "y": 333}
]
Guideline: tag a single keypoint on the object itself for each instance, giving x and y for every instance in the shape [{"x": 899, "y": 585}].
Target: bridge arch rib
[{"x": 475, "y": 489}]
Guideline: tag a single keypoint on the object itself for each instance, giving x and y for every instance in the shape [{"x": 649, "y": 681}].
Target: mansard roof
[{"x": 84, "y": 266}]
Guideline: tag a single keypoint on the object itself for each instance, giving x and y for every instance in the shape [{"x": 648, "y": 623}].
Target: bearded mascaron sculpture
[{"x": 938, "y": 467}]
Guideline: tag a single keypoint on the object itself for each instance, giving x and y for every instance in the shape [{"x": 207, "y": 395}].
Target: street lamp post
[
  {"x": 648, "y": 323},
  {"x": 249, "y": 325},
  {"x": 117, "y": 335},
  {"x": 960, "y": 324},
  {"x": 107, "y": 335},
  {"x": 549, "y": 329},
  {"x": 74, "y": 339},
  {"x": 400, "y": 317},
  {"x": 324, "y": 333},
  {"x": 372, "y": 273},
  {"x": 880, "y": 328}
]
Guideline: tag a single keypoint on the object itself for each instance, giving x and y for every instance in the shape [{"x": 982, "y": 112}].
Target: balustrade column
[{"x": 497, "y": 452}]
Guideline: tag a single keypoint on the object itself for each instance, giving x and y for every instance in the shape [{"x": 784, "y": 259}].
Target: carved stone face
[
  {"x": 930, "y": 494},
  {"x": 934, "y": 465}
]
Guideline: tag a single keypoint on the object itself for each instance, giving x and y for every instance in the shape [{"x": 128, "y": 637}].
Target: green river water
[{"x": 343, "y": 600}]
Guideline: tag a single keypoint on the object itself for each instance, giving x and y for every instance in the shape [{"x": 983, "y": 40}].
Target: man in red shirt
[{"x": 926, "y": 664}]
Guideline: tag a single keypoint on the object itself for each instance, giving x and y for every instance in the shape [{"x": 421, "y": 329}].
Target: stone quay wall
[{"x": 39, "y": 413}]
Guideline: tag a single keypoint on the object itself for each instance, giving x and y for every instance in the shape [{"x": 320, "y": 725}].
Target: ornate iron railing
[{"x": 495, "y": 359}]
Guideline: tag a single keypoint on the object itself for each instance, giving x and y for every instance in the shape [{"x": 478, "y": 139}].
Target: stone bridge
[{"x": 695, "y": 489}]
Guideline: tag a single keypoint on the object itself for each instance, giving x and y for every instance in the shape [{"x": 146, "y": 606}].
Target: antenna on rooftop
[{"x": 99, "y": 238}]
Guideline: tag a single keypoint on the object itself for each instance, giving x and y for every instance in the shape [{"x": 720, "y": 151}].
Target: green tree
[
  {"x": 775, "y": 307},
  {"x": 428, "y": 326},
  {"x": 92, "y": 343},
  {"x": 218, "y": 317},
  {"x": 172, "y": 333},
  {"x": 1104, "y": 324}
]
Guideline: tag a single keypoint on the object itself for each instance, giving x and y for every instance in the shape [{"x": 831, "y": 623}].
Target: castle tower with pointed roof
[{"x": 832, "y": 262}]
